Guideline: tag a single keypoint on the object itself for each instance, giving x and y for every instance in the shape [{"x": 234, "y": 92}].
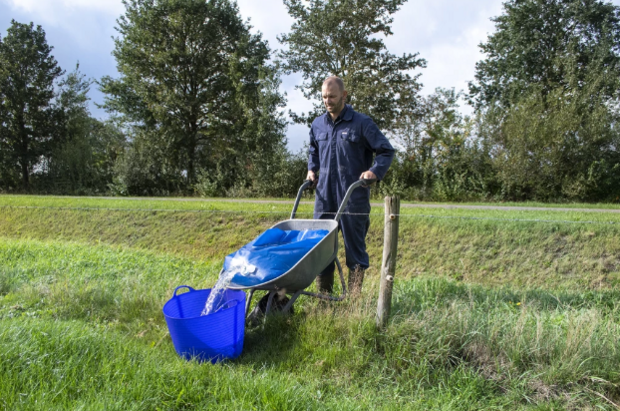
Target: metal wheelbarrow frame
[{"x": 303, "y": 273}]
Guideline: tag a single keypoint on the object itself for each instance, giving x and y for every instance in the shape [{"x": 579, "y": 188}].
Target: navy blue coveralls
[{"x": 340, "y": 151}]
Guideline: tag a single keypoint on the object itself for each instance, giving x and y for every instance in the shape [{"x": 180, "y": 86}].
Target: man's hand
[
  {"x": 368, "y": 175},
  {"x": 312, "y": 177}
]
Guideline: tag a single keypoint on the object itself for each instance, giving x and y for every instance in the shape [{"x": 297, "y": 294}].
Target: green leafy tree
[
  {"x": 343, "y": 38},
  {"x": 266, "y": 162},
  {"x": 544, "y": 45},
  {"x": 147, "y": 167},
  {"x": 83, "y": 161},
  {"x": 28, "y": 118},
  {"x": 548, "y": 95},
  {"x": 440, "y": 158},
  {"x": 557, "y": 148},
  {"x": 192, "y": 77}
]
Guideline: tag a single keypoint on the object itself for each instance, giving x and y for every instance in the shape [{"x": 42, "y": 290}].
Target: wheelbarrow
[{"x": 294, "y": 281}]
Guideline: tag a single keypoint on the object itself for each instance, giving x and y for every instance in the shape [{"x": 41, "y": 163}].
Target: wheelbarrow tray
[{"x": 303, "y": 273}]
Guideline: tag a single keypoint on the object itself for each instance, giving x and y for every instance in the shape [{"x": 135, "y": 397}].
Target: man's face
[{"x": 333, "y": 97}]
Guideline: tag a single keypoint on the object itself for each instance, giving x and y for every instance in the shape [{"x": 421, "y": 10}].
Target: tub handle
[
  {"x": 228, "y": 304},
  {"x": 174, "y": 294}
]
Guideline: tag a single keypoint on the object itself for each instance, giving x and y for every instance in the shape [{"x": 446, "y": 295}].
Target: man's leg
[
  {"x": 354, "y": 230},
  {"x": 325, "y": 280}
]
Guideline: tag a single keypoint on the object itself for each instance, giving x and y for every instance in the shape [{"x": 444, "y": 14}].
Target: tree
[
  {"x": 341, "y": 37},
  {"x": 544, "y": 45},
  {"x": 555, "y": 148},
  {"x": 548, "y": 94},
  {"x": 441, "y": 158},
  {"x": 27, "y": 116},
  {"x": 192, "y": 75},
  {"x": 83, "y": 161}
]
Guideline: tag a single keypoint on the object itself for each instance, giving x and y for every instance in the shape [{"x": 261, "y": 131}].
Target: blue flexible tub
[{"x": 213, "y": 337}]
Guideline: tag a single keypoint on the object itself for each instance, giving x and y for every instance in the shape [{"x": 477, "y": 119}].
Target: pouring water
[{"x": 215, "y": 301}]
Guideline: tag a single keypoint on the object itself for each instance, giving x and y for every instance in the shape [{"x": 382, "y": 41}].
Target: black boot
[
  {"x": 325, "y": 283},
  {"x": 356, "y": 279},
  {"x": 277, "y": 304}
]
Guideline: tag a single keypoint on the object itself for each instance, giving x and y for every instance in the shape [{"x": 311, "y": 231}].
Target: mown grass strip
[
  {"x": 283, "y": 209},
  {"x": 152, "y": 202}
]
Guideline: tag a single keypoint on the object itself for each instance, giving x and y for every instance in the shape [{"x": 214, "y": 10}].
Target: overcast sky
[{"x": 445, "y": 32}]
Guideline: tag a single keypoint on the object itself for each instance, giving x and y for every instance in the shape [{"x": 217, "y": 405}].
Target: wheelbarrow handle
[
  {"x": 363, "y": 182},
  {"x": 368, "y": 181},
  {"x": 306, "y": 184}
]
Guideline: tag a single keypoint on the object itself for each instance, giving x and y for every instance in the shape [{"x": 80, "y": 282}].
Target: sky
[{"x": 444, "y": 32}]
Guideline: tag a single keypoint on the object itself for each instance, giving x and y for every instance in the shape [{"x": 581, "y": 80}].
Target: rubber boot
[
  {"x": 356, "y": 279},
  {"x": 325, "y": 283},
  {"x": 277, "y": 304}
]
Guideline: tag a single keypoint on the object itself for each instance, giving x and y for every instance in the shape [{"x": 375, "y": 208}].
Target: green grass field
[{"x": 493, "y": 309}]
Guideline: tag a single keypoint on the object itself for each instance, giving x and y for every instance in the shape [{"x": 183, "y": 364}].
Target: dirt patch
[
  {"x": 490, "y": 365},
  {"x": 498, "y": 368}
]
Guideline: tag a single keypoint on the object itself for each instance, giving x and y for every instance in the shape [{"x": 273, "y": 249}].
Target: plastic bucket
[{"x": 213, "y": 337}]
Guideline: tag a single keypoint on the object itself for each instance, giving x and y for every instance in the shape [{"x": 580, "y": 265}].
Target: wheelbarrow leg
[
  {"x": 272, "y": 294},
  {"x": 290, "y": 303},
  {"x": 247, "y": 306},
  {"x": 295, "y": 296}
]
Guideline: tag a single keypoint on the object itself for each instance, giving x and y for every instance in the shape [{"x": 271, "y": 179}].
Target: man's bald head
[
  {"x": 334, "y": 95},
  {"x": 334, "y": 80}
]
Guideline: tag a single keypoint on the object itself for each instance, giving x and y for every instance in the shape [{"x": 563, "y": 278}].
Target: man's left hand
[{"x": 368, "y": 175}]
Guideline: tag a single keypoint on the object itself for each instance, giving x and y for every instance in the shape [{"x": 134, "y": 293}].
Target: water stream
[{"x": 216, "y": 299}]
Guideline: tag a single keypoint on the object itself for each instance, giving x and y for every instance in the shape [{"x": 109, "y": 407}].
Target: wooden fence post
[{"x": 388, "y": 267}]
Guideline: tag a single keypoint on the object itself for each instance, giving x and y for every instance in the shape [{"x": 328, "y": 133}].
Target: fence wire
[{"x": 311, "y": 214}]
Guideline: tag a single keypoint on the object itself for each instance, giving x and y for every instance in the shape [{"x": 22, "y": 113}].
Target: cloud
[
  {"x": 447, "y": 40},
  {"x": 267, "y": 16},
  {"x": 54, "y": 11},
  {"x": 86, "y": 25}
]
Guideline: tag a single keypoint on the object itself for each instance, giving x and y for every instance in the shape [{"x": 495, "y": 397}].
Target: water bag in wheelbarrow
[{"x": 271, "y": 254}]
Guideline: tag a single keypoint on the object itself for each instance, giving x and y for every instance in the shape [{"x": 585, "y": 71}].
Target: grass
[
  {"x": 490, "y": 312},
  {"x": 491, "y": 247},
  {"x": 154, "y": 202}
]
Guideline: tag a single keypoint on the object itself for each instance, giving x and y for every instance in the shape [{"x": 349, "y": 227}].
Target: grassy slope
[
  {"x": 489, "y": 314},
  {"x": 491, "y": 247}
]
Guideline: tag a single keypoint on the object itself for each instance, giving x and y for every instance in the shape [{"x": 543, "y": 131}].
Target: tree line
[{"x": 197, "y": 107}]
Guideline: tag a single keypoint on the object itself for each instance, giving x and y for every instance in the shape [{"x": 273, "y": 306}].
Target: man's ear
[{"x": 345, "y": 94}]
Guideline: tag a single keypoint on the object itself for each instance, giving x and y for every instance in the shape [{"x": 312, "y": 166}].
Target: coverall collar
[{"x": 345, "y": 115}]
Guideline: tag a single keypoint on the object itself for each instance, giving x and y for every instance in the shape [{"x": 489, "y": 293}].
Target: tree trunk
[
  {"x": 25, "y": 174},
  {"x": 191, "y": 158},
  {"x": 24, "y": 154}
]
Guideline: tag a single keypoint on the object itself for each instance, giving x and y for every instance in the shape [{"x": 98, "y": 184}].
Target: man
[{"x": 342, "y": 144}]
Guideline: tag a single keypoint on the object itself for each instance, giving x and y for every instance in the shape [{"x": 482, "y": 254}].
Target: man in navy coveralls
[{"x": 342, "y": 145}]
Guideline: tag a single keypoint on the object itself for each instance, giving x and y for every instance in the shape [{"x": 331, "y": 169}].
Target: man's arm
[
  {"x": 381, "y": 146},
  {"x": 314, "y": 163}
]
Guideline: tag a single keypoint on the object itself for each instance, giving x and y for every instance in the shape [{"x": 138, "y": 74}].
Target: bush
[
  {"x": 148, "y": 167},
  {"x": 558, "y": 147}
]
